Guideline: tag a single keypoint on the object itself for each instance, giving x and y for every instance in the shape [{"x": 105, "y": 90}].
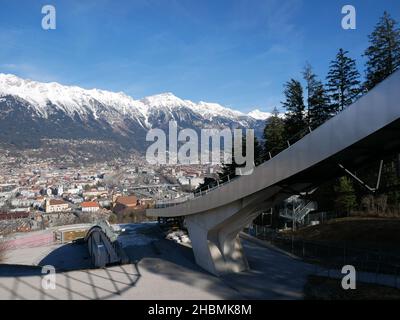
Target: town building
[
  {"x": 124, "y": 203},
  {"x": 90, "y": 206},
  {"x": 54, "y": 205}
]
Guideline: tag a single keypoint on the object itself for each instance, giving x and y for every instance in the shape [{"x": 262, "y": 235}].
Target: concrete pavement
[{"x": 160, "y": 269}]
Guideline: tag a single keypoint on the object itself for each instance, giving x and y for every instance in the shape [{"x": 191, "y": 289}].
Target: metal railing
[
  {"x": 332, "y": 255},
  {"x": 171, "y": 202},
  {"x": 298, "y": 213}
]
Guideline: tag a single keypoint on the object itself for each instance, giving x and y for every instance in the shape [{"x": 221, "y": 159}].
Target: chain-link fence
[{"x": 333, "y": 255}]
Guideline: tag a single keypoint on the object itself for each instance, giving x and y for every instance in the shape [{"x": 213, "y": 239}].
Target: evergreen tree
[
  {"x": 343, "y": 81},
  {"x": 311, "y": 81},
  {"x": 390, "y": 180},
  {"x": 258, "y": 152},
  {"x": 346, "y": 199},
  {"x": 208, "y": 182},
  {"x": 318, "y": 108},
  {"x": 274, "y": 134},
  {"x": 383, "y": 56},
  {"x": 229, "y": 169},
  {"x": 384, "y": 51},
  {"x": 295, "y": 120}
]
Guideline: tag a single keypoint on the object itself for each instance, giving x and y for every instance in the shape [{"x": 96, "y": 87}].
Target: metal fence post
[{"x": 292, "y": 245}]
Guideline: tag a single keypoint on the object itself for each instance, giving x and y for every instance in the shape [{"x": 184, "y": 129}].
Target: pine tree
[
  {"x": 310, "y": 79},
  {"x": 384, "y": 51},
  {"x": 343, "y": 81},
  {"x": 295, "y": 120},
  {"x": 208, "y": 182},
  {"x": 274, "y": 134},
  {"x": 383, "y": 59},
  {"x": 346, "y": 199},
  {"x": 228, "y": 170},
  {"x": 390, "y": 180},
  {"x": 258, "y": 152},
  {"x": 318, "y": 108}
]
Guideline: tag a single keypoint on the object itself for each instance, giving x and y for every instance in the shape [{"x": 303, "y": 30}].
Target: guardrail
[
  {"x": 168, "y": 203},
  {"x": 333, "y": 255},
  {"x": 298, "y": 213}
]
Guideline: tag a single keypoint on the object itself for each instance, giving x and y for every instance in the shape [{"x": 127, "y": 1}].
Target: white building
[
  {"x": 90, "y": 206},
  {"x": 54, "y": 205}
]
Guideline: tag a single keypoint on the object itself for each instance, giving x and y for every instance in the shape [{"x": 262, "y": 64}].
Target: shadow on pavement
[{"x": 272, "y": 275}]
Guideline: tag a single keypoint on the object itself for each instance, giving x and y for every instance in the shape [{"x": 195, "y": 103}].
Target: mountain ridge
[{"x": 52, "y": 110}]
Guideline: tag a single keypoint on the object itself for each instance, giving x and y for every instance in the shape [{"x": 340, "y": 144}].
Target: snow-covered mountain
[
  {"x": 31, "y": 111},
  {"x": 259, "y": 115}
]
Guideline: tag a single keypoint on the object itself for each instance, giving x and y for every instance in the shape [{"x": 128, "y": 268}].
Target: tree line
[{"x": 307, "y": 107}]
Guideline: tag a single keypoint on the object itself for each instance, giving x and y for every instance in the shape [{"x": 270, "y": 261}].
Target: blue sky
[{"x": 235, "y": 52}]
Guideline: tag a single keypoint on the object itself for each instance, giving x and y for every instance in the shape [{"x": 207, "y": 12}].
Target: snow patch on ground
[{"x": 178, "y": 236}]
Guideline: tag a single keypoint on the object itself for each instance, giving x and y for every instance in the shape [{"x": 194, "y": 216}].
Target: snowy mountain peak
[
  {"x": 167, "y": 99},
  {"x": 55, "y": 111},
  {"x": 207, "y": 109},
  {"x": 259, "y": 115},
  {"x": 69, "y": 99},
  {"x": 73, "y": 100},
  {"x": 215, "y": 109}
]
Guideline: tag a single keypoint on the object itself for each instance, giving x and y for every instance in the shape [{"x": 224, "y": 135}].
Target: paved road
[
  {"x": 272, "y": 274},
  {"x": 160, "y": 269}
]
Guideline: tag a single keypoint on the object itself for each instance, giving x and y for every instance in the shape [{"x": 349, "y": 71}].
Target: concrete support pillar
[
  {"x": 215, "y": 240},
  {"x": 206, "y": 252},
  {"x": 215, "y": 233},
  {"x": 214, "y": 252}
]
